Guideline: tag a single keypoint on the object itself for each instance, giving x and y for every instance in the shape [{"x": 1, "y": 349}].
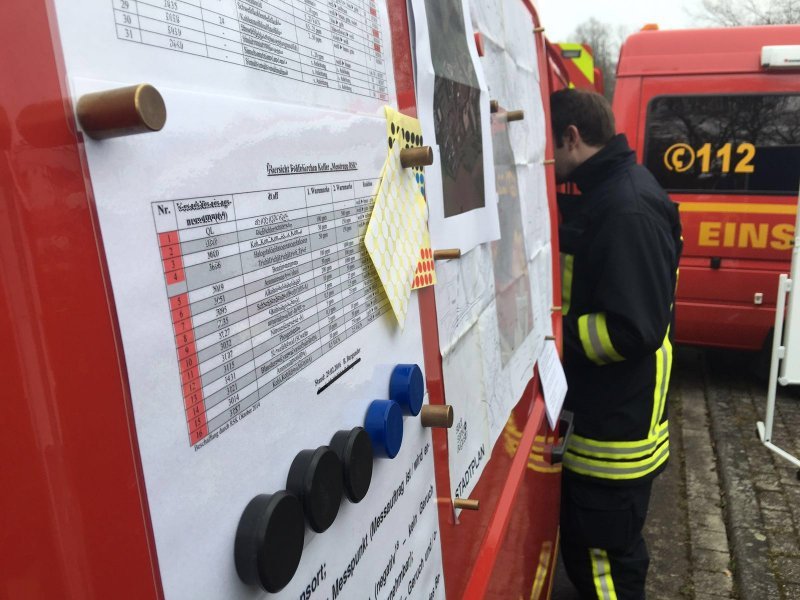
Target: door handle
[{"x": 565, "y": 427}]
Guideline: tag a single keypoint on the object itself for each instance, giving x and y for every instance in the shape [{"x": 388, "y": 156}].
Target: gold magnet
[
  {"x": 515, "y": 115},
  {"x": 550, "y": 338},
  {"x": 437, "y": 415},
  {"x": 549, "y": 161},
  {"x": 494, "y": 106},
  {"x": 466, "y": 504},
  {"x": 123, "y": 111},
  {"x": 416, "y": 157},
  {"x": 447, "y": 254},
  {"x": 555, "y": 309},
  {"x": 538, "y": 29}
]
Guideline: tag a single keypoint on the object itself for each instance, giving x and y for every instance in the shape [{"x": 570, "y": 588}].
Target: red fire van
[{"x": 715, "y": 115}]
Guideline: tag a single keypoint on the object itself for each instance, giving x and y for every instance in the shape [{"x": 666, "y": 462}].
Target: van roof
[{"x": 695, "y": 51}]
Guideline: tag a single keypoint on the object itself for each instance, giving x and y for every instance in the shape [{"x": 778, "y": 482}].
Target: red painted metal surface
[
  {"x": 700, "y": 51},
  {"x": 714, "y": 307},
  {"x": 75, "y": 511},
  {"x": 74, "y": 508}
]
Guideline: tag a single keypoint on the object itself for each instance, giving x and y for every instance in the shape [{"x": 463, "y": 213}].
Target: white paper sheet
[
  {"x": 554, "y": 382},
  {"x": 492, "y": 333},
  {"x": 465, "y": 289},
  {"x": 468, "y": 440},
  {"x": 535, "y": 210},
  {"x": 541, "y": 271},
  {"x": 286, "y": 50},
  {"x": 485, "y": 21},
  {"x": 460, "y": 296},
  {"x": 453, "y": 107},
  {"x": 228, "y": 177}
]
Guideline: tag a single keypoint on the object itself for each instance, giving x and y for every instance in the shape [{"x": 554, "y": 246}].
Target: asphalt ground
[{"x": 725, "y": 514}]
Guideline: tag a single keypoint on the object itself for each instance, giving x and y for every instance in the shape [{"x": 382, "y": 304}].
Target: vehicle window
[{"x": 747, "y": 143}]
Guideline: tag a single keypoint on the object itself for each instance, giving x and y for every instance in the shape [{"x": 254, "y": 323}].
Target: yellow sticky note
[
  {"x": 406, "y": 132},
  {"x": 396, "y": 231}
]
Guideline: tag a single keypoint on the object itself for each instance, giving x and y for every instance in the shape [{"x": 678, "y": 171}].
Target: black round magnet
[
  {"x": 316, "y": 477},
  {"x": 269, "y": 541},
  {"x": 354, "y": 449}
]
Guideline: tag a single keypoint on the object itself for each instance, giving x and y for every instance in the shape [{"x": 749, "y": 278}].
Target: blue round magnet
[
  {"x": 407, "y": 388},
  {"x": 384, "y": 424}
]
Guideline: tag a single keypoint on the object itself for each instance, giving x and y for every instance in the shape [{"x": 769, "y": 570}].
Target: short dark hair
[{"x": 588, "y": 111}]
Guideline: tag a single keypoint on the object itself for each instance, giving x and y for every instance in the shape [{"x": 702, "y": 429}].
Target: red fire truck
[
  {"x": 715, "y": 115},
  {"x": 78, "y": 512}
]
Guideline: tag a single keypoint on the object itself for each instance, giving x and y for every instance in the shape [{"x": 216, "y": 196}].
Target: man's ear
[{"x": 571, "y": 136}]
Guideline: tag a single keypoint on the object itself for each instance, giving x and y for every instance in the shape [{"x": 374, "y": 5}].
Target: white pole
[{"x": 777, "y": 354}]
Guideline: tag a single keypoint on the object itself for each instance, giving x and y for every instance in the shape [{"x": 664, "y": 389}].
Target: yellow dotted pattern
[
  {"x": 396, "y": 231},
  {"x": 406, "y": 132}
]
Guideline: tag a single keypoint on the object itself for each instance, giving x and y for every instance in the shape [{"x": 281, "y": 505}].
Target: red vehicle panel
[
  {"x": 709, "y": 122},
  {"x": 75, "y": 513},
  {"x": 77, "y": 521}
]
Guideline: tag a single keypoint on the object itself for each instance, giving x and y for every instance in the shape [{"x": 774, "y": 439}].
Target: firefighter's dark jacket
[{"x": 620, "y": 241}]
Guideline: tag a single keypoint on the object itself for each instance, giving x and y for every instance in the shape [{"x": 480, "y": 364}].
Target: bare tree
[
  {"x": 735, "y": 13},
  {"x": 605, "y": 41}
]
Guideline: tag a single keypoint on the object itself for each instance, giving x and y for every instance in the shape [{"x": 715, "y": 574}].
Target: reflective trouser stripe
[
  {"x": 567, "y": 261},
  {"x": 601, "y": 572},
  {"x": 595, "y": 339}
]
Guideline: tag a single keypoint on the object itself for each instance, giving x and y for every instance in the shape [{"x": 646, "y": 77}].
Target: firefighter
[{"x": 620, "y": 240}]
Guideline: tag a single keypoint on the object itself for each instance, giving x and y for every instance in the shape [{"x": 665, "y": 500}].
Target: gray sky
[{"x": 560, "y": 17}]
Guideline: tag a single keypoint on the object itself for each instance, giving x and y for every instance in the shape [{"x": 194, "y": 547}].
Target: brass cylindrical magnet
[
  {"x": 555, "y": 308},
  {"x": 538, "y": 29},
  {"x": 494, "y": 106},
  {"x": 447, "y": 254},
  {"x": 549, "y": 161},
  {"x": 515, "y": 115},
  {"x": 550, "y": 338},
  {"x": 437, "y": 415},
  {"x": 466, "y": 503},
  {"x": 123, "y": 111},
  {"x": 416, "y": 157}
]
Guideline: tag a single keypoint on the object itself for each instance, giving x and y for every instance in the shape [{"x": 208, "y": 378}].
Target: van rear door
[{"x": 727, "y": 148}]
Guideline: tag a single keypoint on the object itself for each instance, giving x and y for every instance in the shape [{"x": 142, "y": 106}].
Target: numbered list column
[
  {"x": 180, "y": 313},
  {"x": 215, "y": 279}
]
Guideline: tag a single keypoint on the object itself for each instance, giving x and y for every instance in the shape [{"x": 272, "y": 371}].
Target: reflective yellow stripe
[
  {"x": 601, "y": 445},
  {"x": 618, "y": 450},
  {"x": 663, "y": 369},
  {"x": 542, "y": 569},
  {"x": 601, "y": 572},
  {"x": 605, "y": 339},
  {"x": 605, "y": 469},
  {"x": 750, "y": 208},
  {"x": 595, "y": 339},
  {"x": 628, "y": 459},
  {"x": 567, "y": 261},
  {"x": 586, "y": 342},
  {"x": 584, "y": 62}
]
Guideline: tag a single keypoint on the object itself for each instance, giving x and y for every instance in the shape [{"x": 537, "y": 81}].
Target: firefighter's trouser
[{"x": 602, "y": 546}]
